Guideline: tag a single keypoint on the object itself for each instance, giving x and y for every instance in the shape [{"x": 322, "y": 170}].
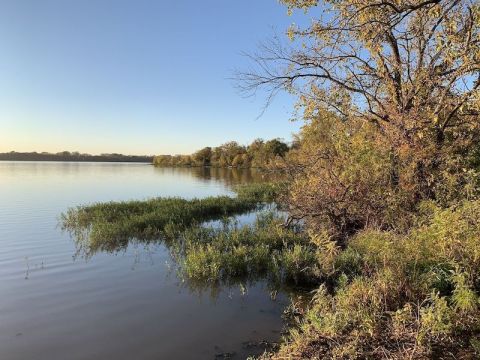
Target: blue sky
[{"x": 133, "y": 76}]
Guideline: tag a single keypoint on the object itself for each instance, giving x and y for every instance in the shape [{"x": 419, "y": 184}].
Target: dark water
[{"x": 131, "y": 305}]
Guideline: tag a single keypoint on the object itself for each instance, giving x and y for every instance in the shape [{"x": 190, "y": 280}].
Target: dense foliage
[
  {"x": 390, "y": 95},
  {"x": 412, "y": 296},
  {"x": 259, "y": 154},
  {"x": 346, "y": 176}
]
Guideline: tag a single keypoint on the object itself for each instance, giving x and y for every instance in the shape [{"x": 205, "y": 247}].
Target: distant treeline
[
  {"x": 72, "y": 156},
  {"x": 258, "y": 154}
]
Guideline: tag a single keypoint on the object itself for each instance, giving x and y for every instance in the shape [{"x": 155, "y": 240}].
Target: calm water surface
[{"x": 130, "y": 305}]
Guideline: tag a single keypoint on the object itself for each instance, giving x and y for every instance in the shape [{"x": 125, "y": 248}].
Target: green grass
[
  {"x": 263, "y": 192},
  {"x": 264, "y": 249},
  {"x": 110, "y": 226}
]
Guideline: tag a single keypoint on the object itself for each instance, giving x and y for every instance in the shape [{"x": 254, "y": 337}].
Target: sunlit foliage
[
  {"x": 259, "y": 154},
  {"x": 407, "y": 70},
  {"x": 389, "y": 92}
]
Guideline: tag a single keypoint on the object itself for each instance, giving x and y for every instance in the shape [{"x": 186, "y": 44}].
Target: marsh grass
[
  {"x": 111, "y": 226},
  {"x": 262, "y": 250},
  {"x": 266, "y": 192},
  {"x": 206, "y": 254}
]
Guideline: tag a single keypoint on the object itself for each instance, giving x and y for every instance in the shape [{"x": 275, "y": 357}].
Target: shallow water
[{"x": 130, "y": 305}]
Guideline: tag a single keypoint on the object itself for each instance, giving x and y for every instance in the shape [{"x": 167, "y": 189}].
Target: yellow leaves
[
  {"x": 463, "y": 297},
  {"x": 434, "y": 11},
  {"x": 435, "y": 319},
  {"x": 299, "y": 4},
  {"x": 292, "y": 30}
]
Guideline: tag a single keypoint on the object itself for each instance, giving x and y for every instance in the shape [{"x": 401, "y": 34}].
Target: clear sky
[{"x": 133, "y": 76}]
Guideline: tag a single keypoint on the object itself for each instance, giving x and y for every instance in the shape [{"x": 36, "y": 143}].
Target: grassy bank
[{"x": 413, "y": 296}]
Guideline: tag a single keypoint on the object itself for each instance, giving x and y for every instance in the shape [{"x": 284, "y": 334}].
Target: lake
[{"x": 55, "y": 304}]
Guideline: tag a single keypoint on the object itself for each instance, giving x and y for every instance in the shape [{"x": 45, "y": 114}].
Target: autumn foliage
[
  {"x": 259, "y": 154},
  {"x": 389, "y": 92}
]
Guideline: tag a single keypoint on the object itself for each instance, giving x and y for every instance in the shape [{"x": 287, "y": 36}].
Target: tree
[
  {"x": 230, "y": 150},
  {"x": 396, "y": 61},
  {"x": 275, "y": 147},
  {"x": 256, "y": 153},
  {"x": 237, "y": 160},
  {"x": 407, "y": 69},
  {"x": 203, "y": 157}
]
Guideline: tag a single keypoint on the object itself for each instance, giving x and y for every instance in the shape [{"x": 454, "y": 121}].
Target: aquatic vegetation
[
  {"x": 110, "y": 226},
  {"x": 264, "y": 249},
  {"x": 264, "y": 192},
  {"x": 206, "y": 254}
]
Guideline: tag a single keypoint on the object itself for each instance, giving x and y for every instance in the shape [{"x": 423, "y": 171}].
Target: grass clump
[
  {"x": 263, "y": 192},
  {"x": 209, "y": 256},
  {"x": 264, "y": 249},
  {"x": 412, "y": 296}
]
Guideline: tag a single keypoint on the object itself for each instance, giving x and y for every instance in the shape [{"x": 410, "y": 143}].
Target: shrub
[{"x": 400, "y": 296}]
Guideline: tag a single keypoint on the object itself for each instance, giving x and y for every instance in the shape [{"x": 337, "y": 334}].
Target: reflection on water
[
  {"x": 228, "y": 176},
  {"x": 233, "y": 252},
  {"x": 115, "y": 306}
]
